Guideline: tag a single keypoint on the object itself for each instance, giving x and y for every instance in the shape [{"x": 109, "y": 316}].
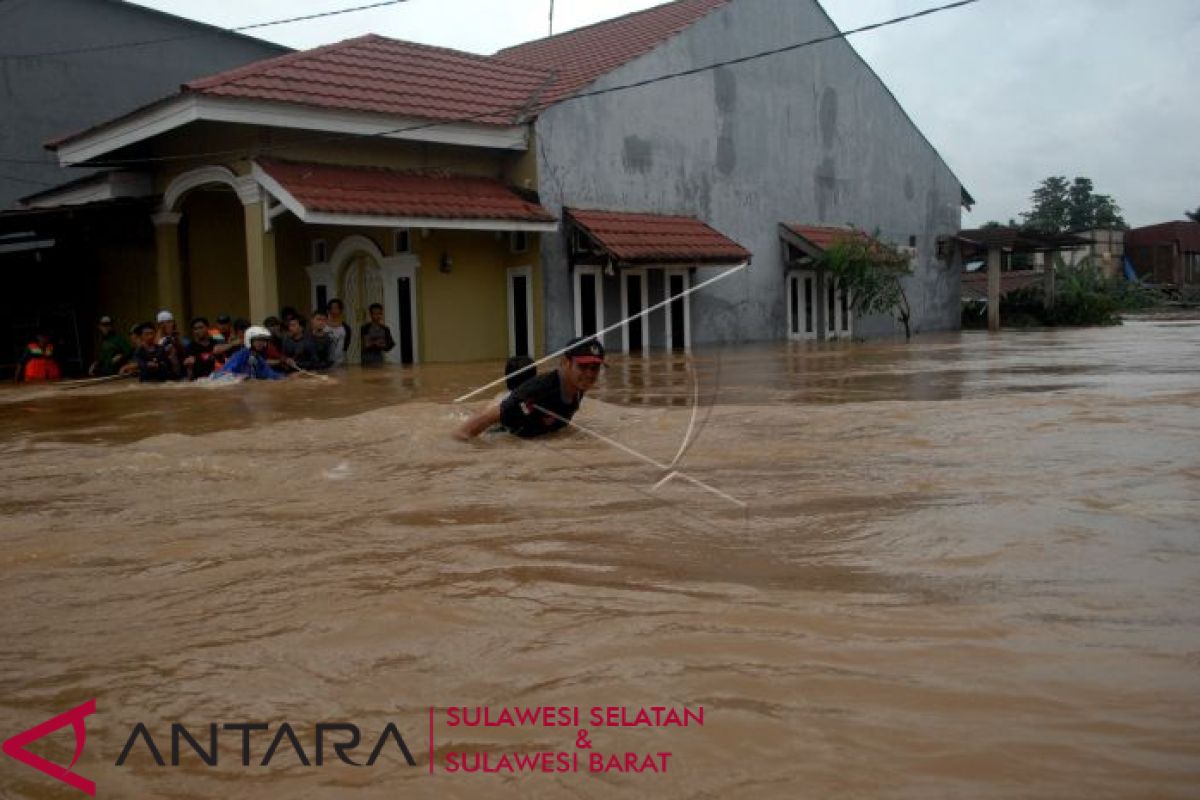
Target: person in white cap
[
  {"x": 169, "y": 337},
  {"x": 251, "y": 360}
]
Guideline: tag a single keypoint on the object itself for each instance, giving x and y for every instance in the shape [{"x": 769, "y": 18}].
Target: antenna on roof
[{"x": 551, "y": 17}]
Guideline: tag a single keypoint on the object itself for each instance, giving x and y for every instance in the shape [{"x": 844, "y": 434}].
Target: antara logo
[
  {"x": 15, "y": 746},
  {"x": 341, "y": 737}
]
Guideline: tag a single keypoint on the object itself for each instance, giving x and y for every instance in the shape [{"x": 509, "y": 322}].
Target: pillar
[
  {"x": 1048, "y": 279},
  {"x": 168, "y": 269},
  {"x": 993, "y": 283},
  {"x": 820, "y": 303},
  {"x": 260, "y": 265}
]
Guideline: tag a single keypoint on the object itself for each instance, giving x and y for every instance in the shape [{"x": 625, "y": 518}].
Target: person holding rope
[{"x": 544, "y": 404}]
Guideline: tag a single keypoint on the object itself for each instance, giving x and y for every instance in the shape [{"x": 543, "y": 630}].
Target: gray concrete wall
[
  {"x": 809, "y": 136},
  {"x": 48, "y": 96}
]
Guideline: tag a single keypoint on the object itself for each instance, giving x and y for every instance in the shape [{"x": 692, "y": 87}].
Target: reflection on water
[{"x": 970, "y": 568}]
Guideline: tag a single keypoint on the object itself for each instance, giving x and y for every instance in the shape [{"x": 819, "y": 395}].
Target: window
[
  {"x": 401, "y": 241},
  {"x": 320, "y": 251}
]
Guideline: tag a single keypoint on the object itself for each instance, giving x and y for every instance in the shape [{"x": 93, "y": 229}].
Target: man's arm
[{"x": 478, "y": 423}]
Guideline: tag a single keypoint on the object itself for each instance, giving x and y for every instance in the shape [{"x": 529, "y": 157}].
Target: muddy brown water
[{"x": 968, "y": 567}]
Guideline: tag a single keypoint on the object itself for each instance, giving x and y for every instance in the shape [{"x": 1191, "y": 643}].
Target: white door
[
  {"x": 362, "y": 285},
  {"x": 802, "y": 307},
  {"x": 634, "y": 300},
  {"x": 589, "y": 301},
  {"x": 679, "y": 310},
  {"x": 520, "y": 311}
]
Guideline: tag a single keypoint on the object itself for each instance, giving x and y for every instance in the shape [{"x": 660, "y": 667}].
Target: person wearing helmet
[
  {"x": 546, "y": 403},
  {"x": 251, "y": 361}
]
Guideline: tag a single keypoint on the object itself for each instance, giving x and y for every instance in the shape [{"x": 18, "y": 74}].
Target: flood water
[{"x": 965, "y": 567}]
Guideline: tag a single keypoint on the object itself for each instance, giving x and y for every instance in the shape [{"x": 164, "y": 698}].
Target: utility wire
[
  {"x": 514, "y": 109},
  {"x": 215, "y": 30}
]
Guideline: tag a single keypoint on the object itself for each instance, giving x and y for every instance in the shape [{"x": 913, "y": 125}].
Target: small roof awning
[
  {"x": 810, "y": 241},
  {"x": 327, "y": 194},
  {"x": 635, "y": 238}
]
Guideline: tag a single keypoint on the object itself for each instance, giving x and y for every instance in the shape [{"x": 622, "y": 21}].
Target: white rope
[
  {"x": 613, "y": 327},
  {"x": 644, "y": 458}
]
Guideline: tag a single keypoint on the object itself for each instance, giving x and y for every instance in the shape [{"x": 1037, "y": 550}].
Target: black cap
[{"x": 585, "y": 350}]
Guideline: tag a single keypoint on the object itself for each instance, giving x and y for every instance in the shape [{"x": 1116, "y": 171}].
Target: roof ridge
[{"x": 610, "y": 21}]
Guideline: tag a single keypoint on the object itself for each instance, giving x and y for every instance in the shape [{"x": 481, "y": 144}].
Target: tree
[
  {"x": 870, "y": 272},
  {"x": 1060, "y": 207},
  {"x": 1194, "y": 216}
]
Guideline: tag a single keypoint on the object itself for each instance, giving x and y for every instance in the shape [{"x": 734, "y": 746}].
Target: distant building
[
  {"x": 71, "y": 63},
  {"x": 1168, "y": 252}
]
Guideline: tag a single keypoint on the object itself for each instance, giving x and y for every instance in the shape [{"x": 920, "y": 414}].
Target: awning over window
[
  {"x": 326, "y": 194},
  {"x": 813, "y": 240},
  {"x": 630, "y": 238}
]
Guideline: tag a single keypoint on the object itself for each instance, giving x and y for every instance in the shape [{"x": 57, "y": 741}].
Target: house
[
  {"x": 1168, "y": 252},
  {"x": 498, "y": 205},
  {"x": 809, "y": 136},
  {"x": 67, "y": 64}
]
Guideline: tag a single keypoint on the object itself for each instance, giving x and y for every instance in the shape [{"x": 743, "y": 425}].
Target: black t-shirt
[
  {"x": 206, "y": 360},
  {"x": 519, "y": 415},
  {"x": 154, "y": 363}
]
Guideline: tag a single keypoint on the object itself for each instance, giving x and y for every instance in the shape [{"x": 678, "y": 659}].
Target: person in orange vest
[{"x": 37, "y": 362}]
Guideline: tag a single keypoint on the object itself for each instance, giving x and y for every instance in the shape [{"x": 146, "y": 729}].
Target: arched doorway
[{"x": 360, "y": 283}]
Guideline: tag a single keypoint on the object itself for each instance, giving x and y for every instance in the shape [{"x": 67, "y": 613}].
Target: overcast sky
[{"x": 1009, "y": 91}]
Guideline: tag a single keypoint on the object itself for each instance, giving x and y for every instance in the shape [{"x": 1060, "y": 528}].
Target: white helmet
[{"x": 256, "y": 332}]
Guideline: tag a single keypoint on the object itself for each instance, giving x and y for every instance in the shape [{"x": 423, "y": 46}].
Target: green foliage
[
  {"x": 1083, "y": 296},
  {"x": 1194, "y": 216},
  {"x": 870, "y": 271},
  {"x": 1059, "y": 206}
]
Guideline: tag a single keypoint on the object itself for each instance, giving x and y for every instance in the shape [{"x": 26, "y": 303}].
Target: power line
[
  {"x": 216, "y": 30},
  {"x": 514, "y": 109}
]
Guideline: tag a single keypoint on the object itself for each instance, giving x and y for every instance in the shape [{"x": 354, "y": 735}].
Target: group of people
[{"x": 159, "y": 351}]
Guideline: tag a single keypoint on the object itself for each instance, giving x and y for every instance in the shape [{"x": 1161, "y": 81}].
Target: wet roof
[
  {"x": 387, "y": 76},
  {"x": 656, "y": 238},
  {"x": 578, "y": 57},
  {"x": 374, "y": 191}
]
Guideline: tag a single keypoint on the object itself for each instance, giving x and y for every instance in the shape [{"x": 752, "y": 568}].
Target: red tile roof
[
  {"x": 823, "y": 236},
  {"x": 387, "y": 76},
  {"x": 373, "y": 191},
  {"x": 655, "y": 238},
  {"x": 581, "y": 56},
  {"x": 375, "y": 74}
]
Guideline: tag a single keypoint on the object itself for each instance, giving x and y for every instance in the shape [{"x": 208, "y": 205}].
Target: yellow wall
[
  {"x": 214, "y": 255},
  {"x": 126, "y": 287},
  {"x": 462, "y": 315}
]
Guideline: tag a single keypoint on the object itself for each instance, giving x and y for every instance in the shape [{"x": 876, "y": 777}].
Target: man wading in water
[{"x": 543, "y": 404}]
